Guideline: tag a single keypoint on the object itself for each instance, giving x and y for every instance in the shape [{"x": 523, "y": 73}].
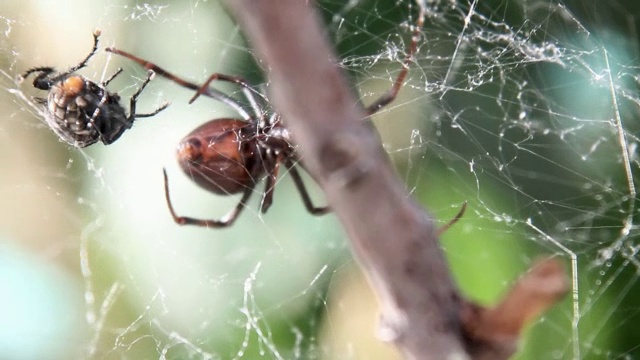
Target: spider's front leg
[
  {"x": 391, "y": 94},
  {"x": 247, "y": 90}
]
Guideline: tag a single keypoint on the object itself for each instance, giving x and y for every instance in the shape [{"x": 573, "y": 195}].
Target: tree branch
[{"x": 393, "y": 237}]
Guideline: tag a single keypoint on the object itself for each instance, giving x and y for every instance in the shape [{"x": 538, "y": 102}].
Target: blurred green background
[{"x": 527, "y": 110}]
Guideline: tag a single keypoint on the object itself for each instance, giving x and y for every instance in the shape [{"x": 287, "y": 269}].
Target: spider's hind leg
[
  {"x": 302, "y": 189},
  {"x": 226, "y": 220}
]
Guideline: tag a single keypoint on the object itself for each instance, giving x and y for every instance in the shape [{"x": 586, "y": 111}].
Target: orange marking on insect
[{"x": 73, "y": 85}]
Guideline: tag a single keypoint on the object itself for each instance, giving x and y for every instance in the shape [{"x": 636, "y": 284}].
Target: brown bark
[{"x": 392, "y": 236}]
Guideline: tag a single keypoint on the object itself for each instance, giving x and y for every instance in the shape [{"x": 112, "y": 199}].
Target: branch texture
[{"x": 393, "y": 237}]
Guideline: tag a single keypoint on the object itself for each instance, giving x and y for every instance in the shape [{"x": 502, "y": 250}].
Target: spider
[
  {"x": 80, "y": 111},
  {"x": 231, "y": 155}
]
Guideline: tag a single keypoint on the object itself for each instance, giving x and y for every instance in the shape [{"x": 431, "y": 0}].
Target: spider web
[{"x": 526, "y": 109}]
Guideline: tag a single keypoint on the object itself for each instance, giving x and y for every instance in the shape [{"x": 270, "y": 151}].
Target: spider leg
[
  {"x": 46, "y": 70},
  {"x": 134, "y": 100},
  {"x": 272, "y": 177},
  {"x": 302, "y": 189},
  {"x": 212, "y": 93},
  {"x": 94, "y": 116},
  {"x": 106, "y": 82},
  {"x": 454, "y": 220},
  {"x": 83, "y": 63},
  {"x": 247, "y": 90},
  {"x": 108, "y": 136},
  {"x": 226, "y": 221},
  {"x": 391, "y": 94},
  {"x": 134, "y": 97}
]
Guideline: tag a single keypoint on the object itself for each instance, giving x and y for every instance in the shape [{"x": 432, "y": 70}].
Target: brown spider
[
  {"x": 80, "y": 111},
  {"x": 227, "y": 156}
]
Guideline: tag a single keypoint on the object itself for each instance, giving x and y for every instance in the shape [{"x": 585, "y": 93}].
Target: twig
[{"x": 393, "y": 237}]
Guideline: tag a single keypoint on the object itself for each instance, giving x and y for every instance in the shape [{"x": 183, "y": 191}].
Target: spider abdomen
[
  {"x": 218, "y": 157},
  {"x": 81, "y": 113}
]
